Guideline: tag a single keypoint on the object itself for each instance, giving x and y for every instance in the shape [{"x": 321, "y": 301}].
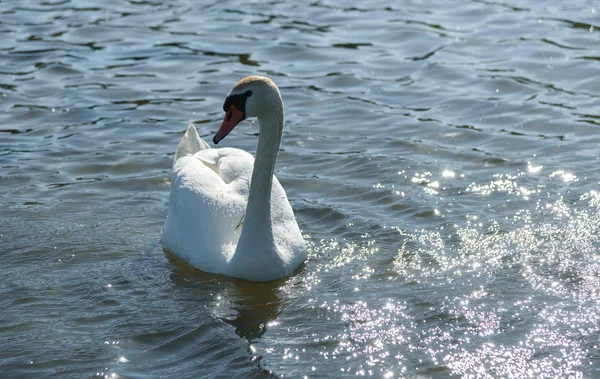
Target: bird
[{"x": 228, "y": 214}]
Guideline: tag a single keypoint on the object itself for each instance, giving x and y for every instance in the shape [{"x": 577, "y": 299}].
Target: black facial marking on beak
[{"x": 238, "y": 100}]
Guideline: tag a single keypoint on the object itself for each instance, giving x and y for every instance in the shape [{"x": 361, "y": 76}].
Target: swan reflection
[
  {"x": 256, "y": 305},
  {"x": 247, "y": 306}
]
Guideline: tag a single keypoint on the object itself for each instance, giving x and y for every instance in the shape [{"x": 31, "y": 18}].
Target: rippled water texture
[{"x": 441, "y": 158}]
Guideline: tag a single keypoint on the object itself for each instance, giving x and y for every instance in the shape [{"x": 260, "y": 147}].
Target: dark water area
[{"x": 441, "y": 158}]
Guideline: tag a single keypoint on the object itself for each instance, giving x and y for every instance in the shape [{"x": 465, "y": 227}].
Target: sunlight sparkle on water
[
  {"x": 448, "y": 174},
  {"x": 568, "y": 269},
  {"x": 564, "y": 176},
  {"x": 534, "y": 169}
]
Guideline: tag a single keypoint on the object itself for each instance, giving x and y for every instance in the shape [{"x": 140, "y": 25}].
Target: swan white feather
[{"x": 210, "y": 223}]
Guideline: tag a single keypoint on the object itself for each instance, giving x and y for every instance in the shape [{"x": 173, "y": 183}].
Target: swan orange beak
[{"x": 232, "y": 118}]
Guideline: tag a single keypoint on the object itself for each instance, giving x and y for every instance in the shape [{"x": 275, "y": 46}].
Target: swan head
[{"x": 253, "y": 96}]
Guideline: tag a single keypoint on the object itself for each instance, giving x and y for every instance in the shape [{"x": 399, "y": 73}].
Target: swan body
[{"x": 228, "y": 214}]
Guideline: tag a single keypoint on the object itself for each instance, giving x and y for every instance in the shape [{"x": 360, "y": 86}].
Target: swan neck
[{"x": 258, "y": 211}]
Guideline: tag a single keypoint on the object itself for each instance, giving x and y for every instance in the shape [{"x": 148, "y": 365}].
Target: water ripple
[{"x": 441, "y": 160}]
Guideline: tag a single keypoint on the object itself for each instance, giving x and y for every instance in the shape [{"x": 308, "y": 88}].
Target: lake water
[{"x": 442, "y": 159}]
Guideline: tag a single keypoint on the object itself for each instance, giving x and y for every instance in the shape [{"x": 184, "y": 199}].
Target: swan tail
[{"x": 190, "y": 144}]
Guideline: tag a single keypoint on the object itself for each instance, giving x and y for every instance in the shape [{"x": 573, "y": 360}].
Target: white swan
[{"x": 227, "y": 213}]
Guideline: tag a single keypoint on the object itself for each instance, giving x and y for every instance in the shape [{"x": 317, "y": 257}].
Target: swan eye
[{"x": 248, "y": 93}]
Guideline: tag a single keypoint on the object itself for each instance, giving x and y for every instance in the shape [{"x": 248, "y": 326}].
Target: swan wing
[
  {"x": 190, "y": 144},
  {"x": 209, "y": 193}
]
